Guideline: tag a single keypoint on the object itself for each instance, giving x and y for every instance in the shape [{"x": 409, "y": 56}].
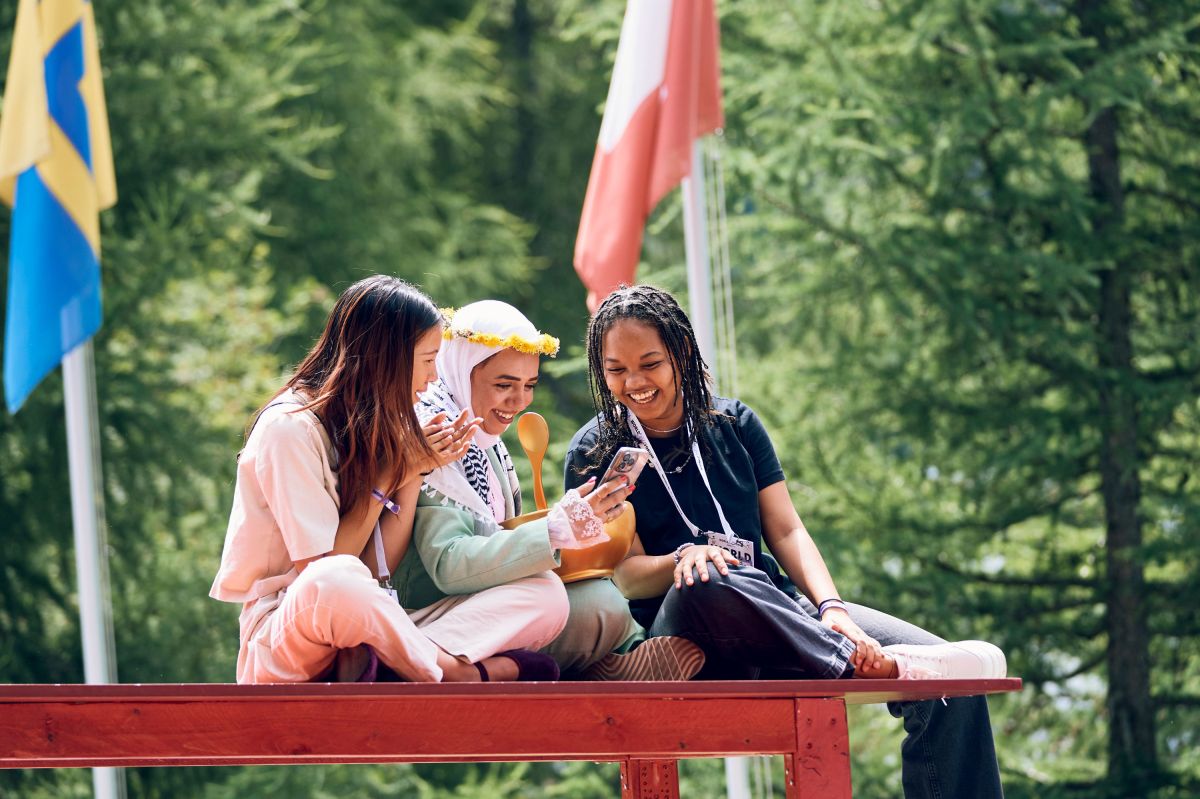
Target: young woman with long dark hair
[
  {"x": 327, "y": 484},
  {"x": 698, "y": 568}
]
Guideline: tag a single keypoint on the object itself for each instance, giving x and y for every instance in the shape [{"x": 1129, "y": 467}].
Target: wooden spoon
[{"x": 534, "y": 435}]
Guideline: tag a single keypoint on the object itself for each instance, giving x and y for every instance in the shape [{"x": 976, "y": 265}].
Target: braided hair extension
[{"x": 658, "y": 309}]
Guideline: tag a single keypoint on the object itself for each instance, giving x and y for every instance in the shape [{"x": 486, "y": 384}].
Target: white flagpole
[
  {"x": 87, "y": 515},
  {"x": 700, "y": 309}
]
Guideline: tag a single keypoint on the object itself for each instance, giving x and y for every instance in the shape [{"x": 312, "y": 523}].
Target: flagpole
[
  {"x": 700, "y": 310},
  {"x": 87, "y": 516}
]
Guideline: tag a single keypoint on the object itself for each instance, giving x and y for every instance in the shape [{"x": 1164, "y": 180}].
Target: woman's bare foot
[{"x": 885, "y": 670}]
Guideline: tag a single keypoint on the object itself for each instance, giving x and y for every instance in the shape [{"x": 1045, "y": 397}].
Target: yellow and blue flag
[{"x": 56, "y": 172}]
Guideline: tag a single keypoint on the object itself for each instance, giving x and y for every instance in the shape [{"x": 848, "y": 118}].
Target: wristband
[
  {"x": 387, "y": 503},
  {"x": 677, "y": 555},
  {"x": 829, "y": 604}
]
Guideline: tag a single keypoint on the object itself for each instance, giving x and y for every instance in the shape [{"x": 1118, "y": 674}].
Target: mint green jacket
[{"x": 451, "y": 554}]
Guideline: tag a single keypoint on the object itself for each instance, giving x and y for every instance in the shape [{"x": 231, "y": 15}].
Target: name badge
[
  {"x": 387, "y": 586},
  {"x": 740, "y": 548}
]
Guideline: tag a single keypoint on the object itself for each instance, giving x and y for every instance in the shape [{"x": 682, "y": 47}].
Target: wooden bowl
[{"x": 595, "y": 561}]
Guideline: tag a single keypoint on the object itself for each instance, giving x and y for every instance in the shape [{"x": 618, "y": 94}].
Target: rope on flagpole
[
  {"x": 722, "y": 274},
  {"x": 726, "y": 270},
  {"x": 719, "y": 308},
  {"x": 720, "y": 356}
]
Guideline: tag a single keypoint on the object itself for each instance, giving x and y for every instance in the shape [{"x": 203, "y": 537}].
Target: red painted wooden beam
[
  {"x": 855, "y": 692},
  {"x": 646, "y": 726}
]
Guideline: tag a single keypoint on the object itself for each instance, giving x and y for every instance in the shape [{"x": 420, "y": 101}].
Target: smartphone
[{"x": 628, "y": 461}]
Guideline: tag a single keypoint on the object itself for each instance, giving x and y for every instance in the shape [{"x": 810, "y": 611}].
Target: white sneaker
[{"x": 964, "y": 660}]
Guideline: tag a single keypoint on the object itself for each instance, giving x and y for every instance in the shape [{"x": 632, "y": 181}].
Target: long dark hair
[
  {"x": 658, "y": 309},
  {"x": 357, "y": 379}
]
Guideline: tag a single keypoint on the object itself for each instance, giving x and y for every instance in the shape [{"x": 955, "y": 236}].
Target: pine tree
[{"x": 981, "y": 214}]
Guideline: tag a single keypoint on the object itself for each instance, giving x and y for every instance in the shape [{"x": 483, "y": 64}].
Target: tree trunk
[
  {"x": 1131, "y": 746},
  {"x": 1132, "y": 755}
]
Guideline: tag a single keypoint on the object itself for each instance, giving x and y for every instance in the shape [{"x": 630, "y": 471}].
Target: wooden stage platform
[{"x": 646, "y": 726}]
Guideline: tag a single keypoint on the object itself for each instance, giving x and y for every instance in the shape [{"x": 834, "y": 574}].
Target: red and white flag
[{"x": 665, "y": 94}]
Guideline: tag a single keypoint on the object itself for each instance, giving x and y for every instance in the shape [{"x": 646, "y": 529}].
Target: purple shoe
[
  {"x": 531, "y": 666},
  {"x": 358, "y": 664}
]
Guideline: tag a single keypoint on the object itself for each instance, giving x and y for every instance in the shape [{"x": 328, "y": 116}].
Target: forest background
[{"x": 964, "y": 237}]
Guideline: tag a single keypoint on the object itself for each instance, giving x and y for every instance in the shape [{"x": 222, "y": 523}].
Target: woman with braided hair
[{"x": 699, "y": 569}]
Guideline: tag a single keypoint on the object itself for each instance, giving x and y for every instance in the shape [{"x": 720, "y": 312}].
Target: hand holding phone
[
  {"x": 628, "y": 462},
  {"x": 607, "y": 496}
]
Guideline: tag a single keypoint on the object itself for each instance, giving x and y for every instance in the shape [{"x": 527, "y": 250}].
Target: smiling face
[
  {"x": 501, "y": 387},
  {"x": 425, "y": 360},
  {"x": 640, "y": 374}
]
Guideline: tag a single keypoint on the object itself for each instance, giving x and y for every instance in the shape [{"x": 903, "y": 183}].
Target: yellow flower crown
[{"x": 544, "y": 344}]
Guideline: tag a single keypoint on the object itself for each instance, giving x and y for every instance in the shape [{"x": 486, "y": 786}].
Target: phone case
[{"x": 628, "y": 461}]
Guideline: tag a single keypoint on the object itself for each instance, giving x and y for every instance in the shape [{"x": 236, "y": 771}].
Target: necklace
[
  {"x": 639, "y": 428},
  {"x": 682, "y": 466}
]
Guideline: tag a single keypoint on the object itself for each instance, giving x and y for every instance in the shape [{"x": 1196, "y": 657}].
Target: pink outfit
[
  {"x": 523, "y": 614},
  {"x": 334, "y": 604},
  {"x": 285, "y": 509}
]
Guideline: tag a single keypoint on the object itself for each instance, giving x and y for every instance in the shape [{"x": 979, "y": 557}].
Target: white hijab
[
  {"x": 458, "y": 357},
  {"x": 471, "y": 482}
]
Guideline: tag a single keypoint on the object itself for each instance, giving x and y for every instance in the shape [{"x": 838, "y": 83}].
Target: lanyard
[
  {"x": 644, "y": 440},
  {"x": 381, "y": 569}
]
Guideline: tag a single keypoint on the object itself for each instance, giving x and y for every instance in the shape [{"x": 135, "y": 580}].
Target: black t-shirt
[{"x": 740, "y": 462}]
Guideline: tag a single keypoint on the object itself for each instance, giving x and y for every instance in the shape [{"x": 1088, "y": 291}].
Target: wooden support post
[
  {"x": 649, "y": 779},
  {"x": 819, "y": 767}
]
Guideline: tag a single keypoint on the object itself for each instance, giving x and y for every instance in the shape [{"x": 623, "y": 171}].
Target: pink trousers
[{"x": 335, "y": 604}]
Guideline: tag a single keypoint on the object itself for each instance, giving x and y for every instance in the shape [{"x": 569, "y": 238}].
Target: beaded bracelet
[
  {"x": 677, "y": 555},
  {"x": 387, "y": 503},
  {"x": 832, "y": 602}
]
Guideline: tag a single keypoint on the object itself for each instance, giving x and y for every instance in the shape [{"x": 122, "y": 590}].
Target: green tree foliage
[
  {"x": 964, "y": 237},
  {"x": 411, "y": 90},
  {"x": 267, "y": 154},
  {"x": 981, "y": 216},
  {"x": 185, "y": 351}
]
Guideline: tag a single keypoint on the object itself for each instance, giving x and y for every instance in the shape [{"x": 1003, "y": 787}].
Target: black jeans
[{"x": 749, "y": 629}]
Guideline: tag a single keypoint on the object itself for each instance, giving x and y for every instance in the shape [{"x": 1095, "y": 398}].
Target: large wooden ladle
[{"x": 534, "y": 435}]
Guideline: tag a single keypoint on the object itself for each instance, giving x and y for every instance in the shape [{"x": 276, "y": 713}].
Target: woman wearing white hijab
[{"x": 488, "y": 368}]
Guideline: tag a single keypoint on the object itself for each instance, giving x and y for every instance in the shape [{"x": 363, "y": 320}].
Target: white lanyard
[
  {"x": 640, "y": 434},
  {"x": 381, "y": 569}
]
